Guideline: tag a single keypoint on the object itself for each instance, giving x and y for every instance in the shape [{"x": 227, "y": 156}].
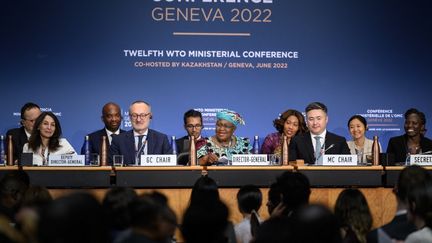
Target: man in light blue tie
[
  {"x": 140, "y": 140},
  {"x": 311, "y": 146}
]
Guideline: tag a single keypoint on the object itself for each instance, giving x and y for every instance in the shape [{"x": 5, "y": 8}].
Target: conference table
[
  {"x": 175, "y": 182},
  {"x": 185, "y": 176}
]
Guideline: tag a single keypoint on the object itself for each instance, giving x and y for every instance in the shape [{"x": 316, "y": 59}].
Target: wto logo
[{"x": 126, "y": 120}]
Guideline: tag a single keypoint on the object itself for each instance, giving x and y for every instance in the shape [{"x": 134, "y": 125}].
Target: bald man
[{"x": 111, "y": 117}]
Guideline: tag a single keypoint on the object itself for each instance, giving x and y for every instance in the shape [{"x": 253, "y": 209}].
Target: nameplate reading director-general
[
  {"x": 339, "y": 160},
  {"x": 66, "y": 160},
  {"x": 421, "y": 159},
  {"x": 250, "y": 159},
  {"x": 159, "y": 160}
]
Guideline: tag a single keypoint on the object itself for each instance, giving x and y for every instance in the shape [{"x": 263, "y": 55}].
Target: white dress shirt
[
  {"x": 144, "y": 141},
  {"x": 109, "y": 133},
  {"x": 322, "y": 139}
]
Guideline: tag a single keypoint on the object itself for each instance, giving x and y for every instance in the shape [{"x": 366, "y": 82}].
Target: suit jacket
[
  {"x": 182, "y": 144},
  {"x": 301, "y": 147},
  {"x": 397, "y": 147},
  {"x": 19, "y": 138},
  {"x": 124, "y": 144},
  {"x": 399, "y": 228},
  {"x": 95, "y": 140}
]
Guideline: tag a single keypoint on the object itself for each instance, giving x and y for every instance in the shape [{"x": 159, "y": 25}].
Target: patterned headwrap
[{"x": 230, "y": 116}]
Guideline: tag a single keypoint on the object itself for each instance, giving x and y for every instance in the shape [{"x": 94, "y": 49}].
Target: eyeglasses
[
  {"x": 190, "y": 126},
  {"x": 226, "y": 126},
  {"x": 142, "y": 116}
]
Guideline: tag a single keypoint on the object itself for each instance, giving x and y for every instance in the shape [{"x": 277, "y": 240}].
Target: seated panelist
[
  {"x": 360, "y": 145},
  {"x": 193, "y": 125},
  {"x": 219, "y": 148},
  {"x": 46, "y": 140},
  {"x": 140, "y": 140},
  {"x": 413, "y": 141},
  {"x": 290, "y": 123},
  {"x": 312, "y": 145},
  {"x": 111, "y": 117},
  {"x": 20, "y": 136}
]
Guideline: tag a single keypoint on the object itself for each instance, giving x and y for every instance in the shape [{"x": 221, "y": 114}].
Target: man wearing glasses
[
  {"x": 193, "y": 125},
  {"x": 140, "y": 140},
  {"x": 29, "y": 113}
]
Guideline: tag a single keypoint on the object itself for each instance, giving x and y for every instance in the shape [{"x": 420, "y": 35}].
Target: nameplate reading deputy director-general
[
  {"x": 159, "y": 160},
  {"x": 249, "y": 159},
  {"x": 66, "y": 160},
  {"x": 421, "y": 159},
  {"x": 339, "y": 160}
]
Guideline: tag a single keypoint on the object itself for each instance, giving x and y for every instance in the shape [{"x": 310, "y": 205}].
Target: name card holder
[
  {"x": 250, "y": 159},
  {"x": 421, "y": 159},
  {"x": 339, "y": 160},
  {"x": 159, "y": 160},
  {"x": 66, "y": 160}
]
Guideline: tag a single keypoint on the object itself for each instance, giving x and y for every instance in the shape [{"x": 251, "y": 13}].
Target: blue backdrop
[{"x": 358, "y": 57}]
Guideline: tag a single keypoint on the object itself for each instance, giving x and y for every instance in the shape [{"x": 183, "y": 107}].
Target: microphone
[
  {"x": 324, "y": 150},
  {"x": 329, "y": 147}
]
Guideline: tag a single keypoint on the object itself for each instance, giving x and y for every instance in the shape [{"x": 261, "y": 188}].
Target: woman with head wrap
[{"x": 220, "y": 147}]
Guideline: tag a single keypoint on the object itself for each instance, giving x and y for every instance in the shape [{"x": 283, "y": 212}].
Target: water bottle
[
  {"x": 285, "y": 152},
  {"x": 103, "y": 151},
  {"x": 173, "y": 144},
  {"x": 10, "y": 151},
  {"x": 256, "y": 145},
  {"x": 192, "y": 152},
  {"x": 375, "y": 151},
  {"x": 87, "y": 150},
  {"x": 2, "y": 151}
]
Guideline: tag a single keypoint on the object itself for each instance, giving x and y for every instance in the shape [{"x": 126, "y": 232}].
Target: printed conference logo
[
  {"x": 209, "y": 117},
  {"x": 43, "y": 109},
  {"x": 383, "y": 120},
  {"x": 126, "y": 119},
  {"x": 212, "y": 11},
  {"x": 237, "y": 15}
]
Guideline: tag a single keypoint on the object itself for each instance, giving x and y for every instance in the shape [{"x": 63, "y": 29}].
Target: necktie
[
  {"x": 112, "y": 136},
  {"x": 139, "y": 148},
  {"x": 318, "y": 155}
]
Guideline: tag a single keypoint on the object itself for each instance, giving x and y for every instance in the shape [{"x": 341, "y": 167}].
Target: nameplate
[
  {"x": 339, "y": 160},
  {"x": 421, "y": 159},
  {"x": 159, "y": 160},
  {"x": 66, "y": 160},
  {"x": 249, "y": 159}
]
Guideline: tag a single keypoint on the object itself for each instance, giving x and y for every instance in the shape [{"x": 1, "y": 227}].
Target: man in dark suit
[
  {"x": 29, "y": 113},
  {"x": 311, "y": 146},
  {"x": 111, "y": 117},
  {"x": 140, "y": 140},
  {"x": 193, "y": 126},
  {"x": 399, "y": 228}
]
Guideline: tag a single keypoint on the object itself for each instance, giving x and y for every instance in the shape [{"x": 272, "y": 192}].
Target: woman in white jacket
[{"x": 45, "y": 139}]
